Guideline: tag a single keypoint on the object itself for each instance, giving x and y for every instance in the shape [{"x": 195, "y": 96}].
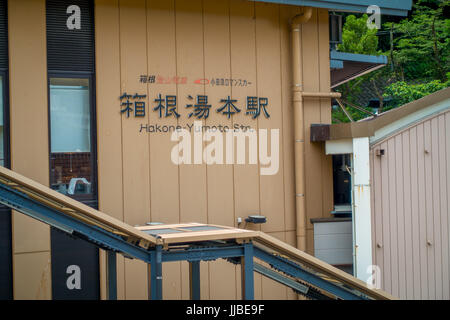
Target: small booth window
[
  {"x": 342, "y": 185},
  {"x": 71, "y": 160}
]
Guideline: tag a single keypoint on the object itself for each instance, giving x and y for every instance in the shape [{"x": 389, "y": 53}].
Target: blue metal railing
[{"x": 17, "y": 198}]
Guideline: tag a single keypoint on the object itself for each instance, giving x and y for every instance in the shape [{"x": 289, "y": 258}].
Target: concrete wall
[
  {"x": 410, "y": 210},
  {"x": 138, "y": 182}
]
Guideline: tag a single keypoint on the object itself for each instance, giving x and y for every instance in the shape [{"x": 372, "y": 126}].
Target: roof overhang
[
  {"x": 348, "y": 66},
  {"x": 387, "y": 7},
  {"x": 394, "y": 120}
]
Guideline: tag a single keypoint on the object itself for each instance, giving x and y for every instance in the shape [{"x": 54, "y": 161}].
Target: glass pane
[
  {"x": 70, "y": 134},
  {"x": 70, "y": 115}
]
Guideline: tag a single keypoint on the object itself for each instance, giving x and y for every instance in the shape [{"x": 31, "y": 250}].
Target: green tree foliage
[
  {"x": 357, "y": 38},
  {"x": 419, "y": 57},
  {"x": 403, "y": 92},
  {"x": 422, "y": 43}
]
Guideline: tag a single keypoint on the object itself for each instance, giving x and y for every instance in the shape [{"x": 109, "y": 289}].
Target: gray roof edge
[
  {"x": 346, "y": 56},
  {"x": 387, "y": 7}
]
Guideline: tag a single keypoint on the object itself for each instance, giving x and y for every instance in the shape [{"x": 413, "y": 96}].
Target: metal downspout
[{"x": 299, "y": 126}]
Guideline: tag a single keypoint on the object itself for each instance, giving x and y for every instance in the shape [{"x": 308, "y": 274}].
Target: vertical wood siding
[
  {"x": 208, "y": 39},
  {"x": 411, "y": 211},
  {"x": 29, "y": 142}
]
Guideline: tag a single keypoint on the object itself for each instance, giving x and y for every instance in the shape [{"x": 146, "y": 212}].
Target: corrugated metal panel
[
  {"x": 411, "y": 188},
  {"x": 3, "y": 34},
  {"x": 70, "y": 49},
  {"x": 333, "y": 242}
]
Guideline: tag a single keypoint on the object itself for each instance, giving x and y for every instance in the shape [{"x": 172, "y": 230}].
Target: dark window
[
  {"x": 72, "y": 139},
  {"x": 342, "y": 185},
  {"x": 341, "y": 179},
  {"x": 6, "y": 290},
  {"x": 71, "y": 73}
]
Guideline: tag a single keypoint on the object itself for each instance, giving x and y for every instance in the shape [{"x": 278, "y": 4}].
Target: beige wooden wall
[
  {"x": 204, "y": 39},
  {"x": 29, "y": 142},
  {"x": 137, "y": 181},
  {"x": 410, "y": 210}
]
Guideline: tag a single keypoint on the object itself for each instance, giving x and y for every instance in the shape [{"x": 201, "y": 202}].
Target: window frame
[
  {"x": 6, "y": 126},
  {"x": 7, "y": 162},
  {"x": 88, "y": 199}
]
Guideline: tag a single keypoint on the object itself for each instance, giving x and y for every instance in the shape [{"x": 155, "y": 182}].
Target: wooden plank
[
  {"x": 310, "y": 241},
  {"x": 325, "y": 108},
  {"x": 222, "y": 280},
  {"x": 243, "y": 66},
  {"x": 28, "y": 87},
  {"x": 324, "y": 63},
  {"x": 164, "y": 174},
  {"x": 206, "y": 236},
  {"x": 313, "y": 152},
  {"x": 28, "y": 112},
  {"x": 107, "y": 92},
  {"x": 269, "y": 86},
  {"x": 185, "y": 231},
  {"x": 172, "y": 281},
  {"x": 162, "y": 63},
  {"x": 135, "y": 146},
  {"x": 135, "y": 280},
  {"x": 110, "y": 184},
  {"x": 190, "y": 61},
  {"x": 165, "y": 226},
  {"x": 32, "y": 276},
  {"x": 286, "y": 13},
  {"x": 185, "y": 289},
  {"x": 220, "y": 182}
]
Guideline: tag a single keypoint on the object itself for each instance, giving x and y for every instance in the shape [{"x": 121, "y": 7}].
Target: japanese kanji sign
[{"x": 199, "y": 107}]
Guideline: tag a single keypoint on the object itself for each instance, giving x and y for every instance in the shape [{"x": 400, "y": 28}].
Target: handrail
[
  {"x": 72, "y": 207},
  {"x": 42, "y": 203},
  {"x": 294, "y": 254}
]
